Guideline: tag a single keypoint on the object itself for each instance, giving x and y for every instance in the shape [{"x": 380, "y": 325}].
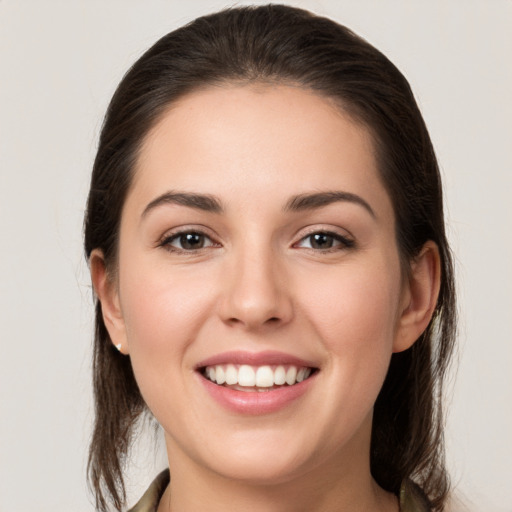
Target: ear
[
  {"x": 419, "y": 297},
  {"x": 107, "y": 292}
]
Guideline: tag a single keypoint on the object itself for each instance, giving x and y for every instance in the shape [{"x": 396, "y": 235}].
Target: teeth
[
  {"x": 264, "y": 377},
  {"x": 279, "y": 376},
  {"x": 291, "y": 375},
  {"x": 220, "y": 375},
  {"x": 231, "y": 375},
  {"x": 246, "y": 376},
  {"x": 256, "y": 376}
]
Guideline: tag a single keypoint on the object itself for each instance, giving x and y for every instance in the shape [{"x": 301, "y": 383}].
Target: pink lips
[
  {"x": 255, "y": 359},
  {"x": 254, "y": 402}
]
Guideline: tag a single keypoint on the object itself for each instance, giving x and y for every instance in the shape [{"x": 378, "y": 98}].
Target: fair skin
[{"x": 265, "y": 278}]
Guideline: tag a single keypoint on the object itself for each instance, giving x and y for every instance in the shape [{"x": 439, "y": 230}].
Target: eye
[
  {"x": 325, "y": 241},
  {"x": 187, "y": 241}
]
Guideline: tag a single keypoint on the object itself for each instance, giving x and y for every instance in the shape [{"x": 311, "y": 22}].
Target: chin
[
  {"x": 263, "y": 458},
  {"x": 260, "y": 470}
]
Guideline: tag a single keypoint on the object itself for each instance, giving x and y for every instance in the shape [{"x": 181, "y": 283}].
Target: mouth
[
  {"x": 256, "y": 383},
  {"x": 252, "y": 378}
]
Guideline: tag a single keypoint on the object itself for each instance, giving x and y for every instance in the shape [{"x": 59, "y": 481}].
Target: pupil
[
  {"x": 192, "y": 241},
  {"x": 321, "y": 241}
]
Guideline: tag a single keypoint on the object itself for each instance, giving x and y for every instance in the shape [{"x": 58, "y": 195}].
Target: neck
[{"x": 330, "y": 487}]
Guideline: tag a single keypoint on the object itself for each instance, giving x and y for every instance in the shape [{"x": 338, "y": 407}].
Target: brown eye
[
  {"x": 325, "y": 241},
  {"x": 190, "y": 241},
  {"x": 187, "y": 241},
  {"x": 321, "y": 241}
]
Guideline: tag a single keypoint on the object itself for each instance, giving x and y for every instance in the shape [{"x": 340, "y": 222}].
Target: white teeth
[
  {"x": 220, "y": 376},
  {"x": 279, "y": 376},
  {"x": 246, "y": 376},
  {"x": 291, "y": 375},
  {"x": 264, "y": 377},
  {"x": 256, "y": 376},
  {"x": 231, "y": 375}
]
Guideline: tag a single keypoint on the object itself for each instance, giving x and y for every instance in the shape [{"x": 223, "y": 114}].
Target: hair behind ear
[{"x": 115, "y": 391}]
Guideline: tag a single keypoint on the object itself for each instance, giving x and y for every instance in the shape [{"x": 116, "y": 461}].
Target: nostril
[{"x": 272, "y": 320}]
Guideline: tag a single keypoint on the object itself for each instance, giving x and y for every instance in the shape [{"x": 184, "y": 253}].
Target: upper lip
[{"x": 255, "y": 359}]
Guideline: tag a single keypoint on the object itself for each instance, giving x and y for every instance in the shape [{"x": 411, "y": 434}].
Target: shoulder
[{"x": 151, "y": 498}]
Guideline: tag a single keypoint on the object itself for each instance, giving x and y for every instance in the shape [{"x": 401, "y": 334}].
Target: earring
[{"x": 119, "y": 346}]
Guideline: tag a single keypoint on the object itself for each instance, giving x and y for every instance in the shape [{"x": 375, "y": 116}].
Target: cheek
[
  {"x": 358, "y": 306},
  {"x": 163, "y": 313},
  {"x": 159, "y": 303},
  {"x": 355, "y": 316}
]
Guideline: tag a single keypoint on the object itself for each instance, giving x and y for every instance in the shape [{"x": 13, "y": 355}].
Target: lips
[{"x": 256, "y": 383}]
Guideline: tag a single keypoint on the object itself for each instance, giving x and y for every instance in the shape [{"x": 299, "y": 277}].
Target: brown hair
[{"x": 282, "y": 44}]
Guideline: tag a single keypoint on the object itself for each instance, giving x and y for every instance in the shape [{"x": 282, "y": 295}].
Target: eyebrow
[
  {"x": 203, "y": 202},
  {"x": 312, "y": 201},
  {"x": 298, "y": 203}
]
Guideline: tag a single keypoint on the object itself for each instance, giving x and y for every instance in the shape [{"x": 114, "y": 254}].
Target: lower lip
[{"x": 256, "y": 402}]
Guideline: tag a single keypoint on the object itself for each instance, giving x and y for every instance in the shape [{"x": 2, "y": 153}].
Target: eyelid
[
  {"x": 346, "y": 239},
  {"x": 172, "y": 234}
]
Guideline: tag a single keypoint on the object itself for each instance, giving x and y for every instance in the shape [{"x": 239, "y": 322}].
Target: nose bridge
[{"x": 255, "y": 295}]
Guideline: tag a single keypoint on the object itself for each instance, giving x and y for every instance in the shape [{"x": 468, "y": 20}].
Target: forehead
[{"x": 249, "y": 138}]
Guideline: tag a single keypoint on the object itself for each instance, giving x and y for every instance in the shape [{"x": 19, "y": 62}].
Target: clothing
[
  {"x": 151, "y": 498},
  {"x": 412, "y": 498}
]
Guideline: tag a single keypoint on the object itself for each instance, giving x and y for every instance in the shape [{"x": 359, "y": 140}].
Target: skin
[{"x": 259, "y": 284}]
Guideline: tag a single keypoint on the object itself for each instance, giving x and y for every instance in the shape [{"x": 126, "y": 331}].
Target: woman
[{"x": 266, "y": 241}]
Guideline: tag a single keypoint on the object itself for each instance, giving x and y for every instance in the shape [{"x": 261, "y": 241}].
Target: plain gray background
[{"x": 59, "y": 64}]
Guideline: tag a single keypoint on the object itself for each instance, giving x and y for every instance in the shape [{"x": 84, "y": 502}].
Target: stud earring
[{"x": 119, "y": 346}]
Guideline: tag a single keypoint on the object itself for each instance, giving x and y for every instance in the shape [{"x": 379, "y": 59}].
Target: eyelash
[
  {"x": 166, "y": 243},
  {"x": 344, "y": 242}
]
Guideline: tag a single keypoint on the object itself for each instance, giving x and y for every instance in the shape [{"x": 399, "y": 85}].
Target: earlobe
[
  {"x": 107, "y": 293},
  {"x": 420, "y": 297}
]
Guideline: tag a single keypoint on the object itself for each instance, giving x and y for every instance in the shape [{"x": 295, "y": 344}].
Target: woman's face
[{"x": 257, "y": 242}]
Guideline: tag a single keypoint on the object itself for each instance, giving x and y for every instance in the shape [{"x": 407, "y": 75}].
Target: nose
[{"x": 256, "y": 294}]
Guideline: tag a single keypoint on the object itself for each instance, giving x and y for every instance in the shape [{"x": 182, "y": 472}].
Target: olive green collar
[{"x": 411, "y": 497}]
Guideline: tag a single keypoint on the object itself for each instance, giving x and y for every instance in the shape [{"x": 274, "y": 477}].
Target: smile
[
  {"x": 256, "y": 378},
  {"x": 250, "y": 383}
]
